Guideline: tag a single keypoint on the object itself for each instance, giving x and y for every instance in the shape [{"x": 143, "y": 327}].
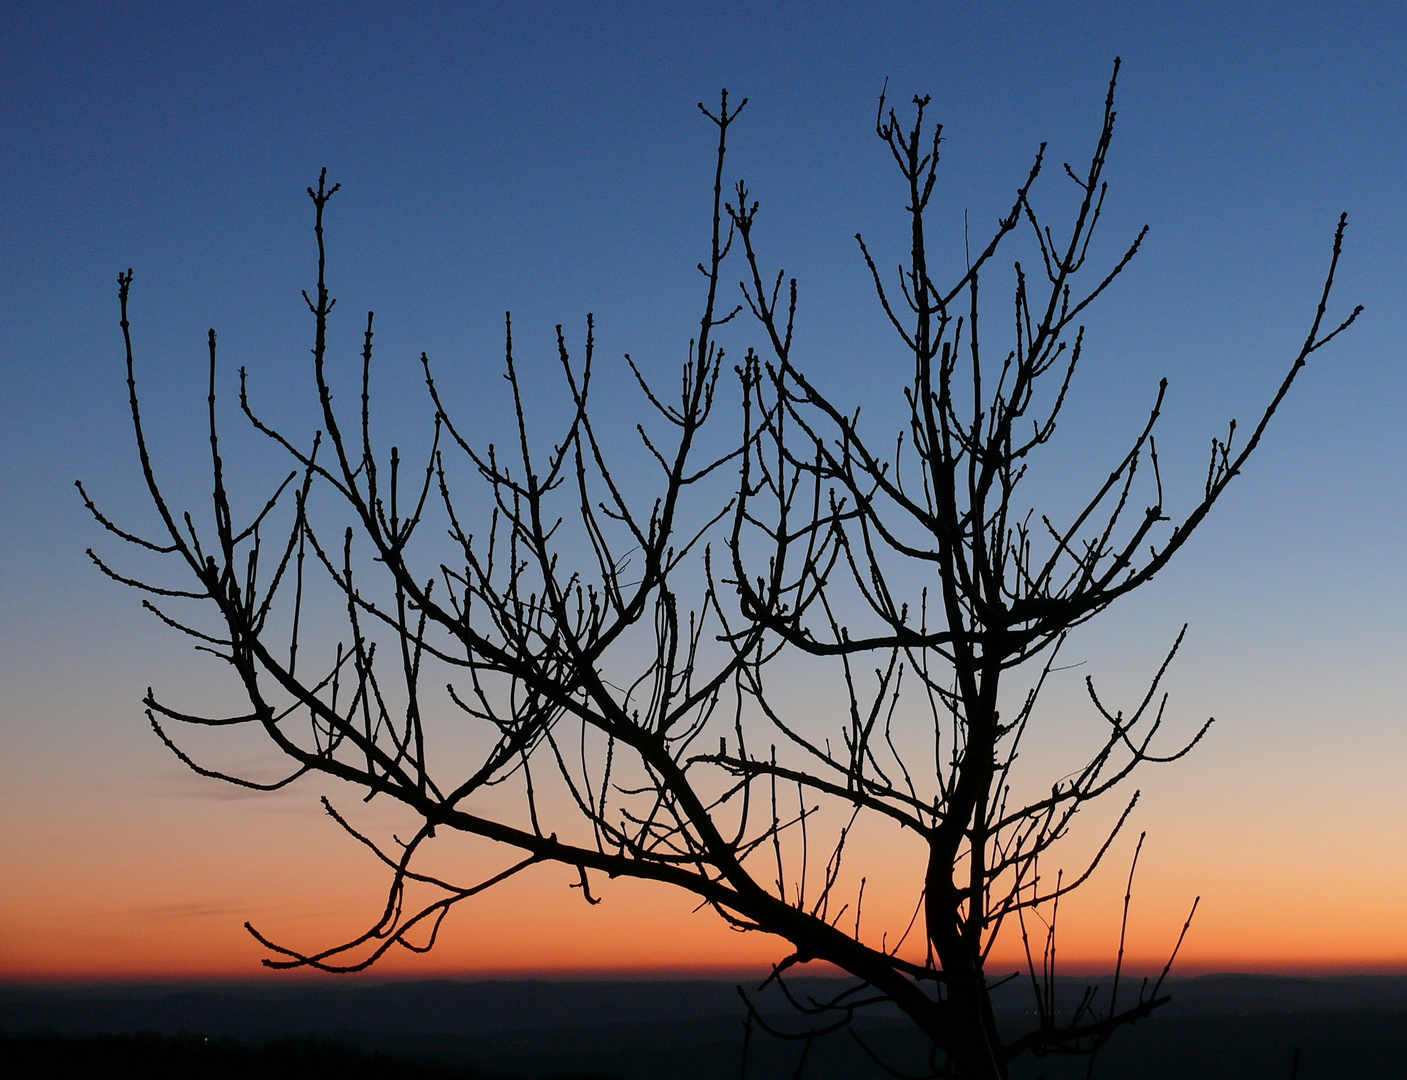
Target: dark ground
[{"x": 1217, "y": 1028}]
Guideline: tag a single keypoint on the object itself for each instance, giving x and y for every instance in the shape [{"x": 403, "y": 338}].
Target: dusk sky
[{"x": 549, "y": 159}]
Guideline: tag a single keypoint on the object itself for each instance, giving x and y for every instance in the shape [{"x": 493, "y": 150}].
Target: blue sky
[{"x": 549, "y": 159}]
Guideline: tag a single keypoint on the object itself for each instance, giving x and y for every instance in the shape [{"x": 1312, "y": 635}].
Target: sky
[{"x": 550, "y": 160}]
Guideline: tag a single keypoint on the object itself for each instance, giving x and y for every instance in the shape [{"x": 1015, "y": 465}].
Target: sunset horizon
[{"x": 523, "y": 496}]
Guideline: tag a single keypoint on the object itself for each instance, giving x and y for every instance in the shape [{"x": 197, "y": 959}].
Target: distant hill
[{"x": 1220, "y": 1026}]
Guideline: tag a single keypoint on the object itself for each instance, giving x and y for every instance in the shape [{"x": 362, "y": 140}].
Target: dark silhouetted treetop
[{"x": 617, "y": 645}]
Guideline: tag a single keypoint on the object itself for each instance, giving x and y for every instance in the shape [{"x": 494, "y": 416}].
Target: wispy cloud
[
  {"x": 201, "y": 909},
  {"x": 199, "y": 787}
]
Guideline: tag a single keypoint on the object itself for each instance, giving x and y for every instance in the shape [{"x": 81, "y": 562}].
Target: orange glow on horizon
[
  {"x": 146, "y": 873},
  {"x": 536, "y": 927}
]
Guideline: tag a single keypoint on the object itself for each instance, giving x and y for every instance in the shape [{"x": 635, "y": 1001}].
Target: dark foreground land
[{"x": 1217, "y": 1028}]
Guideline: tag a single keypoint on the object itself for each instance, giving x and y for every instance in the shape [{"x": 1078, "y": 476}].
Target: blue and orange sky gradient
[{"x": 549, "y": 159}]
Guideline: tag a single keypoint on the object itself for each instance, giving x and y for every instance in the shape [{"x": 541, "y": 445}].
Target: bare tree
[{"x": 612, "y": 651}]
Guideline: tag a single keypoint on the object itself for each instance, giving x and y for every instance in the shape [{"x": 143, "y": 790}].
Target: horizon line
[{"x": 303, "y": 980}]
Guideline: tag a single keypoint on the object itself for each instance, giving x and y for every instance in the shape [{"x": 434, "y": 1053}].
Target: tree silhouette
[{"x": 609, "y": 641}]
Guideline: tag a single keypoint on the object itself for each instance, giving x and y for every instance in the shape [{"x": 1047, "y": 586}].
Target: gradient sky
[{"x": 549, "y": 159}]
